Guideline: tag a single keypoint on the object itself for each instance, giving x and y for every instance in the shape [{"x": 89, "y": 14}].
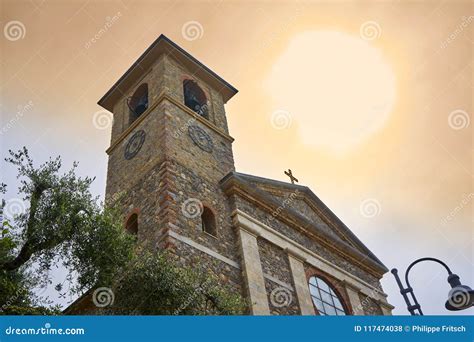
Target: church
[{"x": 171, "y": 163}]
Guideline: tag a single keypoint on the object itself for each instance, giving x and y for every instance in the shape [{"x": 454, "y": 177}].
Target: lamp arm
[
  {"x": 425, "y": 259},
  {"x": 409, "y": 290}
]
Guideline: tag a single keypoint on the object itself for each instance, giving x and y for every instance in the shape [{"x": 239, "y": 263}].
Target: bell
[
  {"x": 142, "y": 105},
  {"x": 193, "y": 103},
  {"x": 139, "y": 109}
]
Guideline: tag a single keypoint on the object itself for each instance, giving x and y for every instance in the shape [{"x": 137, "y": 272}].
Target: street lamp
[{"x": 460, "y": 296}]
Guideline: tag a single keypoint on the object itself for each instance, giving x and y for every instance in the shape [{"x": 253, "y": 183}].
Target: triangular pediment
[{"x": 300, "y": 202}]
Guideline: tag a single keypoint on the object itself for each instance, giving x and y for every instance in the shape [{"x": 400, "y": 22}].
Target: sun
[{"x": 338, "y": 88}]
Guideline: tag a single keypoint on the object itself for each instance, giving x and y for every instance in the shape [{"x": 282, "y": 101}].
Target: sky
[{"x": 369, "y": 103}]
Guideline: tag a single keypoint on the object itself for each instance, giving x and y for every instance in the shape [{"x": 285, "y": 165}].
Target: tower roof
[{"x": 161, "y": 46}]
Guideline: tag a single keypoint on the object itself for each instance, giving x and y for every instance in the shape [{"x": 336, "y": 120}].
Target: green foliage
[
  {"x": 30, "y": 310},
  {"x": 156, "y": 284},
  {"x": 64, "y": 223},
  {"x": 14, "y": 285},
  {"x": 15, "y": 289}
]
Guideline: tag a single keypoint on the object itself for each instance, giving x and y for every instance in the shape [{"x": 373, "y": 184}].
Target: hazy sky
[{"x": 369, "y": 103}]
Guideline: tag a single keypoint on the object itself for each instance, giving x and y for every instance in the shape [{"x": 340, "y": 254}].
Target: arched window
[
  {"x": 208, "y": 222},
  {"x": 195, "y": 99},
  {"x": 138, "y": 103},
  {"x": 132, "y": 224},
  {"x": 325, "y": 299}
]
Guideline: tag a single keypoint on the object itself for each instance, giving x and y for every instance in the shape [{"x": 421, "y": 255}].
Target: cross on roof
[{"x": 292, "y": 178}]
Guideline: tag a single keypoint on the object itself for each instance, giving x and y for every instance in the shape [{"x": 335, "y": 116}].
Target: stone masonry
[{"x": 270, "y": 236}]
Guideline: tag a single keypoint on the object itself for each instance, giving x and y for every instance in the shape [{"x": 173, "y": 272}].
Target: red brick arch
[
  {"x": 185, "y": 77},
  {"x": 135, "y": 211},
  {"x": 336, "y": 285}
]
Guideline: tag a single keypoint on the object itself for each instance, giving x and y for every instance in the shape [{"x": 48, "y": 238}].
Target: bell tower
[{"x": 170, "y": 147}]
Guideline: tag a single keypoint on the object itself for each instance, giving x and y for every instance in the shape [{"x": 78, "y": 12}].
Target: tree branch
[{"x": 27, "y": 250}]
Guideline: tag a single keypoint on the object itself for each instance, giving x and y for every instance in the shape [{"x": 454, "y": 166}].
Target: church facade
[{"x": 171, "y": 168}]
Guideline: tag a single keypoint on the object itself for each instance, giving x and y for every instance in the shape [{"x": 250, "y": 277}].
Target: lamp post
[{"x": 460, "y": 296}]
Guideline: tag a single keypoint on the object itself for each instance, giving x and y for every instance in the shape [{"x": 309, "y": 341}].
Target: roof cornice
[
  {"x": 235, "y": 183},
  {"x": 164, "y": 45}
]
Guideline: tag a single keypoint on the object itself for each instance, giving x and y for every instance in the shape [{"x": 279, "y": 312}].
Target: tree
[
  {"x": 63, "y": 223},
  {"x": 15, "y": 286},
  {"x": 16, "y": 295},
  {"x": 157, "y": 284}
]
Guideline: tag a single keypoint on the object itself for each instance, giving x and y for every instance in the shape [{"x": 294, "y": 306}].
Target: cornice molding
[
  {"x": 305, "y": 197},
  {"x": 235, "y": 186},
  {"x": 163, "y": 46},
  {"x": 165, "y": 97}
]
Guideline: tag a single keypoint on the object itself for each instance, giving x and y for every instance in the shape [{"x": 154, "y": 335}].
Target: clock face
[
  {"x": 201, "y": 138},
  {"x": 134, "y": 144}
]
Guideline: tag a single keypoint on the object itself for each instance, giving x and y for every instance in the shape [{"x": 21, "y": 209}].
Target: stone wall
[
  {"x": 300, "y": 206},
  {"x": 281, "y": 300},
  {"x": 123, "y": 173},
  {"x": 172, "y": 172},
  {"x": 211, "y": 164},
  {"x": 154, "y": 77},
  {"x": 370, "y": 306},
  {"x": 274, "y": 261},
  {"x": 142, "y": 198},
  {"x": 190, "y": 186},
  {"x": 175, "y": 74},
  {"x": 227, "y": 275},
  {"x": 174, "y": 169},
  {"x": 304, "y": 240}
]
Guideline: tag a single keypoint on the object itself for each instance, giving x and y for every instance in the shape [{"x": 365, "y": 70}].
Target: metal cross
[{"x": 292, "y": 178}]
